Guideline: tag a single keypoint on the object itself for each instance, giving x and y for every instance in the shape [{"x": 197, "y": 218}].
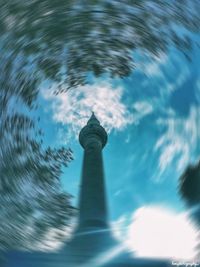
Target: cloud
[
  {"x": 74, "y": 107},
  {"x": 159, "y": 233},
  {"x": 151, "y": 66},
  {"x": 179, "y": 141},
  {"x": 164, "y": 75},
  {"x": 142, "y": 109}
]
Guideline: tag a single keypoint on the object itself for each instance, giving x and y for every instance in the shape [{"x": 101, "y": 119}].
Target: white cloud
[
  {"x": 142, "y": 109},
  {"x": 74, "y": 107},
  {"x": 180, "y": 140},
  {"x": 164, "y": 76},
  {"x": 159, "y": 233},
  {"x": 152, "y": 67}
]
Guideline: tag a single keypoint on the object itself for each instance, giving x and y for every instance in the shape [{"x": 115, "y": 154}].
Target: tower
[
  {"x": 92, "y": 235},
  {"x": 92, "y": 201}
]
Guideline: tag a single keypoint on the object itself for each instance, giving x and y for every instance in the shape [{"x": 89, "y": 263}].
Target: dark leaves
[
  {"x": 190, "y": 185},
  {"x": 75, "y": 38},
  {"x": 32, "y": 202}
]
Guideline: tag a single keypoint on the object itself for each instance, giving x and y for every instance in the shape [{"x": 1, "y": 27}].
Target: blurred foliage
[
  {"x": 69, "y": 39},
  {"x": 32, "y": 202},
  {"x": 189, "y": 185},
  {"x": 189, "y": 188},
  {"x": 26, "y": 222}
]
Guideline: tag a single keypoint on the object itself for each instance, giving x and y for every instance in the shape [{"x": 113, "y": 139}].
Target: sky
[{"x": 153, "y": 125}]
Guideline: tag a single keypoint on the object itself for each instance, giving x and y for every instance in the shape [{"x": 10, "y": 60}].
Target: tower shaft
[
  {"x": 92, "y": 239},
  {"x": 92, "y": 202}
]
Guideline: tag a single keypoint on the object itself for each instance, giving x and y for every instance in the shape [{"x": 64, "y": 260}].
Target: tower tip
[{"x": 93, "y": 119}]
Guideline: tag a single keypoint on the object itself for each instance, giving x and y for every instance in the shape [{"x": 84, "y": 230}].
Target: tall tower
[
  {"x": 92, "y": 201},
  {"x": 92, "y": 235}
]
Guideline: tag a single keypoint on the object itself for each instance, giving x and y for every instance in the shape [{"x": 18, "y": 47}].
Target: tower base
[{"x": 89, "y": 245}]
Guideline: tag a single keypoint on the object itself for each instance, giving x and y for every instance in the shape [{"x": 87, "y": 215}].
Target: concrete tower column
[{"x": 92, "y": 201}]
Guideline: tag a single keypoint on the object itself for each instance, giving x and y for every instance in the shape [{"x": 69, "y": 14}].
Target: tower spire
[{"x": 93, "y": 120}]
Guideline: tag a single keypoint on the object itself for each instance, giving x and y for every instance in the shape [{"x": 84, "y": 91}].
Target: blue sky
[{"x": 152, "y": 118}]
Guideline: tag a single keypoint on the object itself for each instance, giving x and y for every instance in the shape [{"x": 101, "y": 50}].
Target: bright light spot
[{"x": 160, "y": 233}]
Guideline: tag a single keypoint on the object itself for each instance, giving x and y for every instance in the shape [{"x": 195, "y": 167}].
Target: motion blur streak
[{"x": 65, "y": 45}]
